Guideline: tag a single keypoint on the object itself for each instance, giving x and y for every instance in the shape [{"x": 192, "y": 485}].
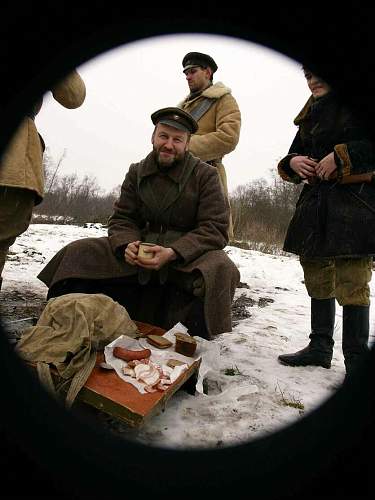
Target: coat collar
[
  {"x": 214, "y": 91},
  {"x": 150, "y": 167},
  {"x": 314, "y": 103}
]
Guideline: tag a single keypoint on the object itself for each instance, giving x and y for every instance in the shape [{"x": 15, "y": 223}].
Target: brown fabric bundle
[{"x": 68, "y": 334}]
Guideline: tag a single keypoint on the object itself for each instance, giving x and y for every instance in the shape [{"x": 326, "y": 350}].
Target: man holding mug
[{"x": 175, "y": 201}]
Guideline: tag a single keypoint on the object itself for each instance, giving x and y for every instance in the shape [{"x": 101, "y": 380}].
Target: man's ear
[
  {"x": 153, "y": 135},
  {"x": 209, "y": 73},
  {"x": 188, "y": 142}
]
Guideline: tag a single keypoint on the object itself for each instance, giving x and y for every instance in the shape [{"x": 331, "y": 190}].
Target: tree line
[
  {"x": 261, "y": 212},
  {"x": 70, "y": 199},
  {"x": 261, "y": 209}
]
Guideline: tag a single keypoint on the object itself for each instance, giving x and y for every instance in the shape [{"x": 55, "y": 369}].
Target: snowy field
[{"x": 249, "y": 394}]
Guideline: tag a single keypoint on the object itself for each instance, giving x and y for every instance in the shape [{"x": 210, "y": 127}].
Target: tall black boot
[
  {"x": 195, "y": 321},
  {"x": 320, "y": 349},
  {"x": 355, "y": 335}
]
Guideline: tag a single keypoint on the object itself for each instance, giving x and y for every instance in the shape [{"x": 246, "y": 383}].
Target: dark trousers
[
  {"x": 160, "y": 305},
  {"x": 16, "y": 207}
]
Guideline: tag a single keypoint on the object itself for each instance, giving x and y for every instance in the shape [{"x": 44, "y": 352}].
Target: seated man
[{"x": 175, "y": 201}]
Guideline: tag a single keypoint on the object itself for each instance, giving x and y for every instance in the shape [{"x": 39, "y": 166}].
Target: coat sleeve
[
  {"x": 71, "y": 91},
  {"x": 211, "y": 232},
  {"x": 224, "y": 139},
  {"x": 283, "y": 167},
  {"x": 124, "y": 223},
  {"x": 355, "y": 157}
]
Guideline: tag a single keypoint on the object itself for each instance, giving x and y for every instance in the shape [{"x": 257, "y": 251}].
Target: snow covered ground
[{"x": 249, "y": 393}]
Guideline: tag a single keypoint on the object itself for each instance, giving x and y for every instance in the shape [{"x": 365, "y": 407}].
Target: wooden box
[{"x": 107, "y": 392}]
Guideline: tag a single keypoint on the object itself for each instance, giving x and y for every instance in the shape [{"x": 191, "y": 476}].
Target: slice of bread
[
  {"x": 159, "y": 341},
  {"x": 172, "y": 363}
]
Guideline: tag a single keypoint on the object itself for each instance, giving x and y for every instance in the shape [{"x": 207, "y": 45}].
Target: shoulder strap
[
  {"x": 80, "y": 378},
  {"x": 45, "y": 377},
  {"x": 202, "y": 107}
]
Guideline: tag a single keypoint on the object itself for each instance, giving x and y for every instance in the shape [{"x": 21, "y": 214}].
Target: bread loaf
[{"x": 185, "y": 344}]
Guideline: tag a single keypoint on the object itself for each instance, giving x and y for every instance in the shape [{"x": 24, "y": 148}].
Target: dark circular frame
[{"x": 48, "y": 451}]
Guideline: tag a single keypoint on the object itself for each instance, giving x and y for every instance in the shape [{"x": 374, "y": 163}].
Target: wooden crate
[{"x": 107, "y": 392}]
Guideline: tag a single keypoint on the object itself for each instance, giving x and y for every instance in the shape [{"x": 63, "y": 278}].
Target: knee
[
  {"x": 319, "y": 278},
  {"x": 359, "y": 296},
  {"x": 319, "y": 291},
  {"x": 353, "y": 277}
]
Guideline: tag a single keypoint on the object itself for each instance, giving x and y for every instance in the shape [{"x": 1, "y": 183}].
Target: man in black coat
[{"x": 331, "y": 229}]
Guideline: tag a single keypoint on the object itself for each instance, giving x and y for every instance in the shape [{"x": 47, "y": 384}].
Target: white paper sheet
[{"x": 208, "y": 352}]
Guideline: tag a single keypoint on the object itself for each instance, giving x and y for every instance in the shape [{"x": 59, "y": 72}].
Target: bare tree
[
  {"x": 71, "y": 199},
  {"x": 56, "y": 169},
  {"x": 261, "y": 212}
]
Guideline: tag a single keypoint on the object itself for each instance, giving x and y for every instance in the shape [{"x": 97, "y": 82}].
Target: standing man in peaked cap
[
  {"x": 175, "y": 201},
  {"x": 216, "y": 111}
]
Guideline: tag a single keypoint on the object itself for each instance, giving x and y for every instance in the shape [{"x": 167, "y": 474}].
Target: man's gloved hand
[
  {"x": 190, "y": 282},
  {"x": 199, "y": 287}
]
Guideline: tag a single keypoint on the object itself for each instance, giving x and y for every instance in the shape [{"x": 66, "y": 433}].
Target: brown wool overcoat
[
  {"x": 197, "y": 230},
  {"x": 21, "y": 164},
  {"x": 218, "y": 129}
]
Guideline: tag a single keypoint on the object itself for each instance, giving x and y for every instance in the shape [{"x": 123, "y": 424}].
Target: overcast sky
[{"x": 112, "y": 129}]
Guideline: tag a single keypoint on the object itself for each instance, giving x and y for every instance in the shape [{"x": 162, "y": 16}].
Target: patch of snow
[{"x": 246, "y": 394}]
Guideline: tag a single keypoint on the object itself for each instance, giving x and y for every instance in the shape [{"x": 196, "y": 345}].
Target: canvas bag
[{"x": 68, "y": 334}]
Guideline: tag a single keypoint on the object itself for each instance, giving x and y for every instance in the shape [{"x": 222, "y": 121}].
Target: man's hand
[
  {"x": 326, "y": 167},
  {"x": 161, "y": 257},
  {"x": 304, "y": 166},
  {"x": 131, "y": 253}
]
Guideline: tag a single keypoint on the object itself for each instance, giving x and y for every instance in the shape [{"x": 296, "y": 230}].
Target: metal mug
[{"x": 142, "y": 253}]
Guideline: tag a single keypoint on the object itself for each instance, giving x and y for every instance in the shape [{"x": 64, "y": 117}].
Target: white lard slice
[{"x": 147, "y": 374}]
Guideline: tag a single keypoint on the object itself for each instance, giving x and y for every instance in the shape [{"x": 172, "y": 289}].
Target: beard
[{"x": 167, "y": 160}]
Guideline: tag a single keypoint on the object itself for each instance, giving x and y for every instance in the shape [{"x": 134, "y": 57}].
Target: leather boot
[
  {"x": 1, "y": 282},
  {"x": 355, "y": 336},
  {"x": 195, "y": 321},
  {"x": 320, "y": 349}
]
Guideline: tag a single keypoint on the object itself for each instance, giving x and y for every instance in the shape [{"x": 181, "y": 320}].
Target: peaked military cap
[
  {"x": 175, "y": 117},
  {"x": 193, "y": 59}
]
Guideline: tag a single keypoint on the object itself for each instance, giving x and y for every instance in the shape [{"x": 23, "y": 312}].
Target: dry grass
[
  {"x": 290, "y": 401},
  {"x": 260, "y": 237}
]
